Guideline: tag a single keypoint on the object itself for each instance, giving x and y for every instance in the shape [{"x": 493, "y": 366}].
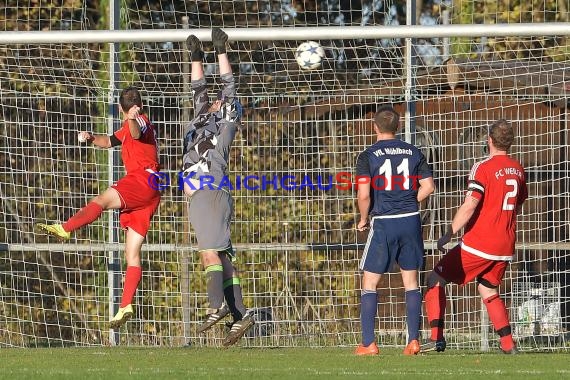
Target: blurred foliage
[
  {"x": 49, "y": 92},
  {"x": 510, "y": 12}
]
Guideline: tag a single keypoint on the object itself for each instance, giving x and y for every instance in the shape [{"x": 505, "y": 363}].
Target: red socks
[
  {"x": 86, "y": 215},
  {"x": 132, "y": 279},
  {"x": 435, "y": 307},
  {"x": 500, "y": 320}
]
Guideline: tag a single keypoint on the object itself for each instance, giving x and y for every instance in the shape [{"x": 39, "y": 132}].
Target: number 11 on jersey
[{"x": 402, "y": 170}]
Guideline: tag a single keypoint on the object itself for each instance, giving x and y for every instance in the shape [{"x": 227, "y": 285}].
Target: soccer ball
[{"x": 309, "y": 55}]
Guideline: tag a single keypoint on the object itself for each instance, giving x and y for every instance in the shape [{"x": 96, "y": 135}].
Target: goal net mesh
[{"x": 298, "y": 251}]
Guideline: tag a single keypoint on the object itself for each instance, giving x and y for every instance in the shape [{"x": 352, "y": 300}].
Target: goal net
[{"x": 298, "y": 251}]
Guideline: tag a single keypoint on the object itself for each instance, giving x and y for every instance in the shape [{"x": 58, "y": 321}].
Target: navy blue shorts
[{"x": 394, "y": 239}]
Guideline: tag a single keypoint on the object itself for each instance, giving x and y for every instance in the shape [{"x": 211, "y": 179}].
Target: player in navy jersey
[{"x": 393, "y": 177}]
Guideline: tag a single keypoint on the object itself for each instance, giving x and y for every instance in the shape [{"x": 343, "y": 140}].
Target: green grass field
[{"x": 278, "y": 363}]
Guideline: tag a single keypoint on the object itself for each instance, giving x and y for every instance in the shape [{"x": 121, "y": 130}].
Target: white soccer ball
[{"x": 309, "y": 55}]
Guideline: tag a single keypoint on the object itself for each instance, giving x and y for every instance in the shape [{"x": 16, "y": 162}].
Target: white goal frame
[{"x": 411, "y": 32}]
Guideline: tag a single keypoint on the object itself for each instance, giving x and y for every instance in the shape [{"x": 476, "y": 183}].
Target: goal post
[{"x": 298, "y": 249}]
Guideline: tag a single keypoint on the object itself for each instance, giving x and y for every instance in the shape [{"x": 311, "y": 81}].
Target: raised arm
[
  {"x": 134, "y": 124},
  {"x": 196, "y": 55},
  {"x": 198, "y": 81},
  {"x": 219, "y": 39},
  {"x": 101, "y": 141}
]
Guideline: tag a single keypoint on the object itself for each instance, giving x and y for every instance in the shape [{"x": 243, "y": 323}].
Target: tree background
[{"x": 307, "y": 123}]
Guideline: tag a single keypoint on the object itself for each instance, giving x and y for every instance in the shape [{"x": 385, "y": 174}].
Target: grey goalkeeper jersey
[{"x": 209, "y": 135}]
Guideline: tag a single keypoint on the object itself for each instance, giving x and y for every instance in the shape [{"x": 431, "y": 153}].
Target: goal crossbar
[{"x": 264, "y": 34}]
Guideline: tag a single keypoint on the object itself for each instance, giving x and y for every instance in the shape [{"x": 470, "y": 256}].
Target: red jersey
[
  {"x": 499, "y": 184},
  {"x": 142, "y": 153}
]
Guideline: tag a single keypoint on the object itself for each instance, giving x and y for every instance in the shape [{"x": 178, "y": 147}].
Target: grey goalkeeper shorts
[{"x": 210, "y": 213}]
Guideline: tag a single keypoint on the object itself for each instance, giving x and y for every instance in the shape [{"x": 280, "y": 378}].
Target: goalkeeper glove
[
  {"x": 195, "y": 48},
  {"x": 444, "y": 240},
  {"x": 219, "y": 39}
]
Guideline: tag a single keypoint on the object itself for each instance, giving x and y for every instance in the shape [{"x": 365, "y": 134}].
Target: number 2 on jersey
[
  {"x": 510, "y": 194},
  {"x": 402, "y": 169}
]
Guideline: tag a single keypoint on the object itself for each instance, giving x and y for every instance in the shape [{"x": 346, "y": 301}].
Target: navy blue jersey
[{"x": 394, "y": 168}]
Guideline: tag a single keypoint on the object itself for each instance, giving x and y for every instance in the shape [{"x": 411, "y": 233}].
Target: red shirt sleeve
[
  {"x": 122, "y": 133},
  {"x": 477, "y": 182}
]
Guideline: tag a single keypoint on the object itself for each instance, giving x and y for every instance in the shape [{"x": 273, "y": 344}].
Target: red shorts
[
  {"x": 460, "y": 267},
  {"x": 139, "y": 201}
]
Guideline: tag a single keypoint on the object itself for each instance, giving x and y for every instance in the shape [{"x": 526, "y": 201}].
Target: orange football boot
[
  {"x": 413, "y": 348},
  {"x": 371, "y": 349}
]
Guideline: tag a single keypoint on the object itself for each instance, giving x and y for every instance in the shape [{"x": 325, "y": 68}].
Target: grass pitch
[{"x": 279, "y": 363}]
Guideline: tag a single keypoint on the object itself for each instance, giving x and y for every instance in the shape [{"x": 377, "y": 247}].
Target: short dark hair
[
  {"x": 387, "y": 119},
  {"x": 130, "y": 96},
  {"x": 502, "y": 134}
]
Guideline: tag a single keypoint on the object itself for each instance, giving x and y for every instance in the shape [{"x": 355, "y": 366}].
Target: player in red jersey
[
  {"x": 496, "y": 191},
  {"x": 134, "y": 194}
]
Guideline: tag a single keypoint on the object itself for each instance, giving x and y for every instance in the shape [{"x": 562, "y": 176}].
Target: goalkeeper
[
  {"x": 133, "y": 195},
  {"x": 207, "y": 141}
]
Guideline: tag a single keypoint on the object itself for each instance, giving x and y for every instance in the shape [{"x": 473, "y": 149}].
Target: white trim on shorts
[
  {"x": 371, "y": 232},
  {"x": 365, "y": 253},
  {"x": 484, "y": 255},
  {"x": 396, "y": 215}
]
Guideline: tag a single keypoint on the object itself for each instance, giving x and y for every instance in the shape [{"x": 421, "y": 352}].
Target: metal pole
[
  {"x": 446, "y": 42},
  {"x": 114, "y": 262},
  {"x": 286, "y": 271},
  {"x": 484, "y": 328},
  {"x": 184, "y": 270},
  {"x": 410, "y": 64}
]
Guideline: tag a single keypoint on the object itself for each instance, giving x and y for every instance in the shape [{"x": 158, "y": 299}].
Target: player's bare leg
[
  {"x": 110, "y": 199},
  {"x": 133, "y": 275},
  {"x": 413, "y": 310}
]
